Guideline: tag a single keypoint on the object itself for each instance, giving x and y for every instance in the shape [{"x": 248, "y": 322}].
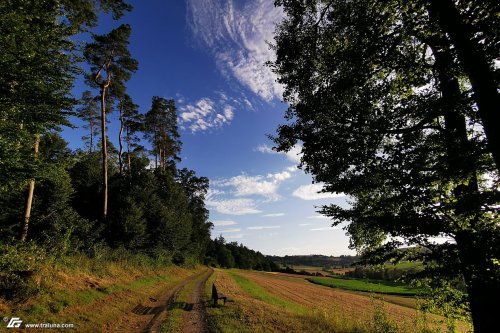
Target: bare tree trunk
[
  {"x": 29, "y": 201},
  {"x": 120, "y": 158},
  {"x": 128, "y": 149},
  {"x": 104, "y": 153}
]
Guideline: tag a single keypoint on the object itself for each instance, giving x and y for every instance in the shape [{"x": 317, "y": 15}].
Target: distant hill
[{"x": 315, "y": 260}]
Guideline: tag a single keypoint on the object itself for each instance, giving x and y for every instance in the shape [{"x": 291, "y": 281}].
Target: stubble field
[{"x": 274, "y": 302}]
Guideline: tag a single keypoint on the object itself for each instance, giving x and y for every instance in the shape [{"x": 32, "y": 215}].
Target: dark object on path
[{"x": 217, "y": 296}]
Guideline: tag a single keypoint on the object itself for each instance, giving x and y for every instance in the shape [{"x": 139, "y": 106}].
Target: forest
[{"x": 64, "y": 202}]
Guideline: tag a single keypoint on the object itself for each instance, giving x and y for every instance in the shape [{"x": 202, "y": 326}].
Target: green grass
[{"x": 374, "y": 286}]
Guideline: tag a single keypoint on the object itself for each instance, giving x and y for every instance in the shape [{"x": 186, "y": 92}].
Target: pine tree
[
  {"x": 162, "y": 131},
  {"x": 89, "y": 112},
  {"x": 111, "y": 65}
]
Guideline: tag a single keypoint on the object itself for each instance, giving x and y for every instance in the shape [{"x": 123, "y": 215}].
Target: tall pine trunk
[
  {"x": 29, "y": 201},
  {"x": 128, "y": 149},
  {"x": 120, "y": 157},
  {"x": 104, "y": 152}
]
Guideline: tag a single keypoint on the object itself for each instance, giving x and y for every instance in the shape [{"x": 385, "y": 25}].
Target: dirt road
[
  {"x": 148, "y": 316},
  {"x": 195, "y": 320}
]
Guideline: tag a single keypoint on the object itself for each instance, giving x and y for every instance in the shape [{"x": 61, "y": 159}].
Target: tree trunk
[
  {"x": 483, "y": 287},
  {"x": 472, "y": 242},
  {"x": 104, "y": 154},
  {"x": 91, "y": 125},
  {"x": 29, "y": 201},
  {"x": 128, "y": 149},
  {"x": 477, "y": 68},
  {"x": 120, "y": 157}
]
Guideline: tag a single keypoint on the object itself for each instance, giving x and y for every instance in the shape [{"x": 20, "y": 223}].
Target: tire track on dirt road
[
  {"x": 195, "y": 321},
  {"x": 148, "y": 316}
]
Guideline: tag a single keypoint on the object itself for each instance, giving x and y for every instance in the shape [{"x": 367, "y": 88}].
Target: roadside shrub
[{"x": 19, "y": 265}]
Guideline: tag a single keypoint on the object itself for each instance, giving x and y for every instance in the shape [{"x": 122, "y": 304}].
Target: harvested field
[
  {"x": 245, "y": 313},
  {"x": 359, "y": 307}
]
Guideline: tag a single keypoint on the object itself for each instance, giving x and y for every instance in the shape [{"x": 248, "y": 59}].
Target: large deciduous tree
[
  {"x": 111, "y": 65},
  {"x": 384, "y": 101}
]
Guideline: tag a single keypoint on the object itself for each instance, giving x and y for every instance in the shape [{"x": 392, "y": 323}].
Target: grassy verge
[
  {"x": 91, "y": 293},
  {"x": 382, "y": 287}
]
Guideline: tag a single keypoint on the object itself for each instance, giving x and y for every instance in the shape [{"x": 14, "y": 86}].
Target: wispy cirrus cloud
[
  {"x": 324, "y": 228},
  {"x": 230, "y": 230},
  {"x": 264, "y": 227},
  {"x": 319, "y": 217},
  {"x": 274, "y": 215},
  {"x": 237, "y": 36},
  {"x": 223, "y": 223}
]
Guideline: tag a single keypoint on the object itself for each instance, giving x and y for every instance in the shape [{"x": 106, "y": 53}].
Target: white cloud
[
  {"x": 280, "y": 176},
  {"x": 293, "y": 154},
  {"x": 324, "y": 228},
  {"x": 245, "y": 185},
  {"x": 264, "y": 227},
  {"x": 223, "y": 223},
  {"x": 304, "y": 224},
  {"x": 274, "y": 215},
  {"x": 237, "y": 37},
  {"x": 206, "y": 114},
  {"x": 319, "y": 217},
  {"x": 311, "y": 192},
  {"x": 230, "y": 230},
  {"x": 233, "y": 206}
]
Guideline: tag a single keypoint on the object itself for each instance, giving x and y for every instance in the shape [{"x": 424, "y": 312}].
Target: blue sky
[{"x": 209, "y": 55}]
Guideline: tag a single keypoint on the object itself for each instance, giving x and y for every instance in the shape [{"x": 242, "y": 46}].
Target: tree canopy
[{"x": 386, "y": 110}]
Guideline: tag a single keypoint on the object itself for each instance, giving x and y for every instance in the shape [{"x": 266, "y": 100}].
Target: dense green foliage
[
  {"x": 387, "y": 272},
  {"x": 394, "y": 103}
]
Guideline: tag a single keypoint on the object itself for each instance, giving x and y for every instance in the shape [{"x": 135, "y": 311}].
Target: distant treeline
[
  {"x": 387, "y": 272},
  {"x": 234, "y": 255},
  {"x": 315, "y": 260}
]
